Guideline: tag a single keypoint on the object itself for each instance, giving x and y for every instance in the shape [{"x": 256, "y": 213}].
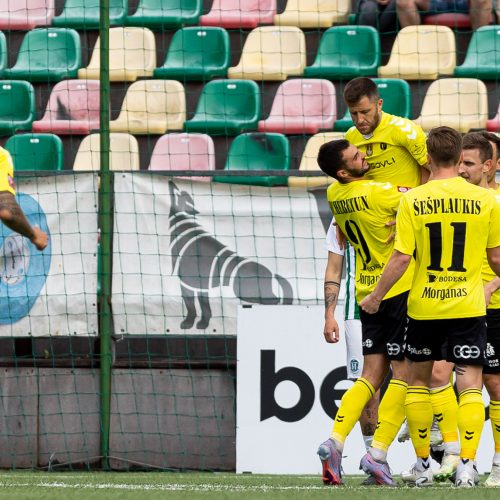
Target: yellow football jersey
[
  {"x": 361, "y": 209},
  {"x": 6, "y": 172},
  {"x": 447, "y": 224},
  {"x": 395, "y": 151},
  {"x": 488, "y": 273}
]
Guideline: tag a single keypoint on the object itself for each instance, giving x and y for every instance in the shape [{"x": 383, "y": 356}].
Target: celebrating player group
[{"x": 418, "y": 221}]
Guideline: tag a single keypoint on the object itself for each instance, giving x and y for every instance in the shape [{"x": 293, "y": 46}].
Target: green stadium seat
[
  {"x": 47, "y": 54},
  {"x": 17, "y": 106},
  {"x": 226, "y": 107},
  {"x": 482, "y": 59},
  {"x": 257, "y": 151},
  {"x": 161, "y": 14},
  {"x": 84, "y": 14},
  {"x": 196, "y": 53},
  {"x": 3, "y": 53},
  {"x": 396, "y": 94},
  {"x": 36, "y": 151},
  {"x": 346, "y": 52}
]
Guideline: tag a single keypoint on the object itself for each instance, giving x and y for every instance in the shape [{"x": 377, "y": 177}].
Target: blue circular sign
[{"x": 23, "y": 268}]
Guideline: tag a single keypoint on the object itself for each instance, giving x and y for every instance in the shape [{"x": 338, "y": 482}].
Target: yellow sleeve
[
  {"x": 494, "y": 235},
  {"x": 411, "y": 136},
  {"x": 405, "y": 239},
  {"x": 6, "y": 172}
]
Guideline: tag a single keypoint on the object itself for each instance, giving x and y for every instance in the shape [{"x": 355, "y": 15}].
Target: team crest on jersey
[
  {"x": 383, "y": 146},
  {"x": 369, "y": 149},
  {"x": 10, "y": 180},
  {"x": 403, "y": 189}
]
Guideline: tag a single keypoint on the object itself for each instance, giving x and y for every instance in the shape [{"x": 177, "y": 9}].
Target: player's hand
[
  {"x": 370, "y": 304},
  {"x": 488, "y": 292},
  {"x": 331, "y": 331},
  {"x": 40, "y": 238},
  {"x": 393, "y": 234}
]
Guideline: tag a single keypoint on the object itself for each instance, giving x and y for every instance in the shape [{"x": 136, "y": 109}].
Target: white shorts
[{"x": 354, "y": 348}]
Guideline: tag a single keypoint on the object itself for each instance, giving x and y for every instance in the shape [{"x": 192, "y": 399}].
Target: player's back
[
  {"x": 362, "y": 209},
  {"x": 447, "y": 222}
]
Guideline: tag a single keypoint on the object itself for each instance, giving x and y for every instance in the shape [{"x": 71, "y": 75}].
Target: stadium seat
[
  {"x": 454, "y": 20},
  {"x": 421, "y": 53},
  {"x": 256, "y": 151},
  {"x": 226, "y": 107},
  {"x": 132, "y": 54},
  {"x": 493, "y": 125},
  {"x": 73, "y": 108},
  {"x": 460, "y": 103},
  {"x": 314, "y": 13},
  {"x": 302, "y": 106},
  {"x": 482, "y": 59},
  {"x": 184, "y": 152},
  {"x": 36, "y": 151},
  {"x": 271, "y": 53},
  {"x": 4, "y": 61},
  {"x": 196, "y": 54},
  {"x": 396, "y": 94},
  {"x": 123, "y": 155},
  {"x": 165, "y": 14},
  {"x": 25, "y": 14},
  {"x": 309, "y": 163},
  {"x": 240, "y": 13},
  {"x": 17, "y": 106},
  {"x": 84, "y": 14},
  {"x": 152, "y": 107},
  {"x": 47, "y": 54},
  {"x": 346, "y": 52}
]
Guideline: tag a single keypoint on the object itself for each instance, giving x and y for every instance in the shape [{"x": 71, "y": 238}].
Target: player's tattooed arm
[
  {"x": 12, "y": 215},
  {"x": 333, "y": 275}
]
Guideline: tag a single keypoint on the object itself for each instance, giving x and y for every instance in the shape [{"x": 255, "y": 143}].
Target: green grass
[{"x": 172, "y": 486}]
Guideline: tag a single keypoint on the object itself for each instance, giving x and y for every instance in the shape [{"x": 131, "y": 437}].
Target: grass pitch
[{"x": 31, "y": 485}]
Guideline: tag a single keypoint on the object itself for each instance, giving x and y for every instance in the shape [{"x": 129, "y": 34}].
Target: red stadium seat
[
  {"x": 493, "y": 125},
  {"x": 302, "y": 106},
  {"x": 454, "y": 20},
  {"x": 240, "y": 13},
  {"x": 184, "y": 152},
  {"x": 25, "y": 14},
  {"x": 73, "y": 108}
]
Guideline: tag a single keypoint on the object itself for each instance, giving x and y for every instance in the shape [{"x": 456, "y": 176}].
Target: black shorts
[
  {"x": 384, "y": 331},
  {"x": 492, "y": 364},
  {"x": 461, "y": 340}
]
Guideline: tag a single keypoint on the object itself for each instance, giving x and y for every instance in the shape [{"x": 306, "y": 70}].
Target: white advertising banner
[
  {"x": 52, "y": 292},
  {"x": 186, "y": 254},
  {"x": 289, "y": 386}
]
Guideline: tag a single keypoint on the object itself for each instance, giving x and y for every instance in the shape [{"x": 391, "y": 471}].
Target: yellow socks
[
  {"x": 445, "y": 408},
  {"x": 351, "y": 406},
  {"x": 495, "y": 424},
  {"x": 419, "y": 416},
  {"x": 470, "y": 421},
  {"x": 391, "y": 415}
]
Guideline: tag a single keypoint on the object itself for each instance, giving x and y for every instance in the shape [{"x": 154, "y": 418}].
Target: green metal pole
[{"x": 105, "y": 225}]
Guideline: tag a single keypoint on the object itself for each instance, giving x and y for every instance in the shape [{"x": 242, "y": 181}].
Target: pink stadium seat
[
  {"x": 25, "y": 14},
  {"x": 184, "y": 152},
  {"x": 240, "y": 13},
  {"x": 73, "y": 108},
  {"x": 451, "y": 19},
  {"x": 493, "y": 125},
  {"x": 302, "y": 106}
]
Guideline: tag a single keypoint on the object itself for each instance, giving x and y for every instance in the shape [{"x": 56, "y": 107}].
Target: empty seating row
[
  {"x": 269, "y": 53},
  {"x": 179, "y": 152},
  {"x": 164, "y": 14},
  {"x": 230, "y": 107}
]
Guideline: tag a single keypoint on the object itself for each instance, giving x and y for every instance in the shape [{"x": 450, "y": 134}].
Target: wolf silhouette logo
[{"x": 202, "y": 262}]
